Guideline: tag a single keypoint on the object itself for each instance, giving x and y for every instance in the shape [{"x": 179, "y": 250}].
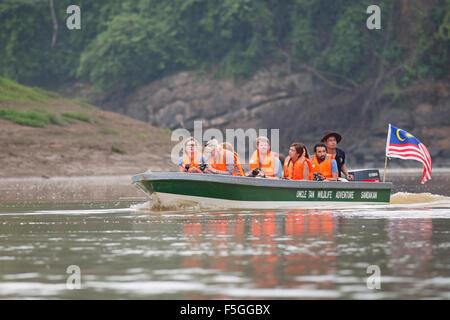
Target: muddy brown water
[{"x": 104, "y": 235}]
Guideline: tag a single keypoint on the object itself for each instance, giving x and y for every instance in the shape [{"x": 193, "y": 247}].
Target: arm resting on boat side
[
  {"x": 347, "y": 175},
  {"x": 211, "y": 170},
  {"x": 305, "y": 171},
  {"x": 278, "y": 168},
  {"x": 180, "y": 165},
  {"x": 334, "y": 171}
]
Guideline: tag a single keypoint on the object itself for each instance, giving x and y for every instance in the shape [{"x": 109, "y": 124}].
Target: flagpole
[{"x": 386, "y": 152}]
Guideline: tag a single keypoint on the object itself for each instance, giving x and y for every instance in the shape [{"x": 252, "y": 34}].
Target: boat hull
[{"x": 243, "y": 192}]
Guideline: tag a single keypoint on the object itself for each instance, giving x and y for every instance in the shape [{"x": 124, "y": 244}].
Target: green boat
[{"x": 221, "y": 191}]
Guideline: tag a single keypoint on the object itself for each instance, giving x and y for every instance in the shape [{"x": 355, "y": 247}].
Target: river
[{"x": 116, "y": 245}]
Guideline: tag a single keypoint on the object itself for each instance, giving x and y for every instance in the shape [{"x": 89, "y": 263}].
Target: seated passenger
[
  {"x": 323, "y": 164},
  {"x": 297, "y": 166},
  {"x": 207, "y": 152},
  {"x": 238, "y": 170},
  {"x": 193, "y": 160},
  {"x": 286, "y": 163},
  {"x": 221, "y": 161},
  {"x": 265, "y": 160},
  {"x": 306, "y": 153},
  {"x": 331, "y": 139},
  {"x": 282, "y": 158}
]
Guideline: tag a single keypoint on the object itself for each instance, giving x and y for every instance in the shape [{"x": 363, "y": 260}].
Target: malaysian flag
[{"x": 403, "y": 145}]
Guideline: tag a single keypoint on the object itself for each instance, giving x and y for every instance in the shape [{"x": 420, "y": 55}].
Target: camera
[
  {"x": 202, "y": 166},
  {"x": 318, "y": 176},
  {"x": 255, "y": 172}
]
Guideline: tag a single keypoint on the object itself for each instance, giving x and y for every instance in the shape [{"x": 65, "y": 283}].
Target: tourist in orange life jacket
[
  {"x": 306, "y": 153},
  {"x": 323, "y": 165},
  {"x": 221, "y": 160},
  {"x": 238, "y": 170},
  {"x": 207, "y": 152},
  {"x": 308, "y": 158},
  {"x": 297, "y": 166},
  {"x": 331, "y": 139},
  {"x": 192, "y": 161},
  {"x": 264, "y": 161}
]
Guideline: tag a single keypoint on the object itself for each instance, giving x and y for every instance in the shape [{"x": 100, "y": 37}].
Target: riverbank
[{"x": 46, "y": 135}]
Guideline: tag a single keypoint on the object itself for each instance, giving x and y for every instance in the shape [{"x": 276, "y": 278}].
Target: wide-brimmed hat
[{"x": 331, "y": 133}]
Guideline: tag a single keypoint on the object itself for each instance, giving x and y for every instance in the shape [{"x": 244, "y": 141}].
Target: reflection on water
[{"x": 296, "y": 254}]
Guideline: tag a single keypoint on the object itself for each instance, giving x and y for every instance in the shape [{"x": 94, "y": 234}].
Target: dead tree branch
[
  {"x": 319, "y": 74},
  {"x": 55, "y": 23}
]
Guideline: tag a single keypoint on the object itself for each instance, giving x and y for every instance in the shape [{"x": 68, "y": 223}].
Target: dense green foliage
[{"x": 124, "y": 43}]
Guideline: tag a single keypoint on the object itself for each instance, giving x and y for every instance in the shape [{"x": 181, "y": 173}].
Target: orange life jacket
[
  {"x": 222, "y": 164},
  {"x": 268, "y": 165},
  {"x": 310, "y": 168},
  {"x": 195, "y": 163},
  {"x": 294, "y": 170},
  {"x": 285, "y": 166},
  {"x": 324, "y": 168}
]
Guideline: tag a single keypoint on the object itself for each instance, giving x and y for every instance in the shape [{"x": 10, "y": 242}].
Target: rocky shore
[{"x": 298, "y": 104}]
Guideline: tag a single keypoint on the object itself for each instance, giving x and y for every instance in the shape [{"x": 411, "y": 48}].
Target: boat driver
[{"x": 331, "y": 139}]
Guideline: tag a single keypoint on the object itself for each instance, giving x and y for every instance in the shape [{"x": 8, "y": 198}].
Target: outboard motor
[{"x": 366, "y": 175}]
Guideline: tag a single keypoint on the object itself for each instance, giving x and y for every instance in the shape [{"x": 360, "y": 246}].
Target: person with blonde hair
[
  {"x": 238, "y": 170},
  {"x": 264, "y": 162},
  {"x": 221, "y": 160},
  {"x": 207, "y": 152},
  {"x": 192, "y": 161}
]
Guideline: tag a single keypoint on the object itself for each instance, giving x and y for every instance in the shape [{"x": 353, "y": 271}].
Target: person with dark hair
[
  {"x": 282, "y": 157},
  {"x": 324, "y": 167},
  {"x": 296, "y": 165},
  {"x": 306, "y": 152},
  {"x": 331, "y": 139}
]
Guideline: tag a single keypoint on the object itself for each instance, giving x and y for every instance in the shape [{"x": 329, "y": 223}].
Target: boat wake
[
  {"x": 413, "y": 198},
  {"x": 156, "y": 205},
  {"x": 398, "y": 200}
]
